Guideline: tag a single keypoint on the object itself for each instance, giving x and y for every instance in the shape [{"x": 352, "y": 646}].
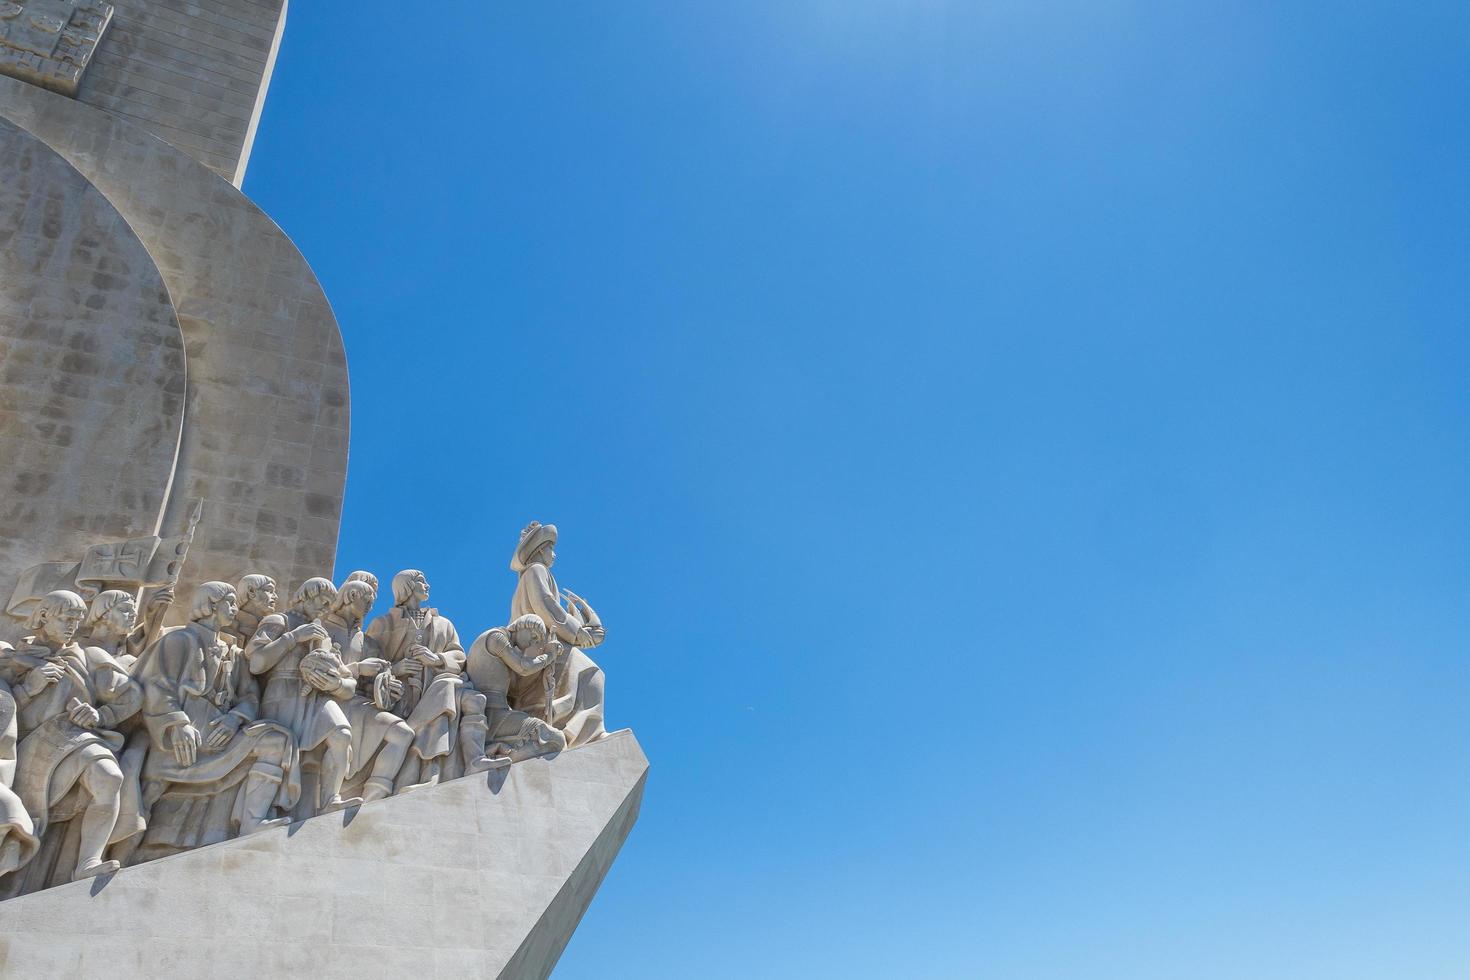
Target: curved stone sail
[{"x": 263, "y": 384}]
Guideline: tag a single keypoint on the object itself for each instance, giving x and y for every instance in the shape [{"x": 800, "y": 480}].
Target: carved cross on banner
[{"x": 51, "y": 42}]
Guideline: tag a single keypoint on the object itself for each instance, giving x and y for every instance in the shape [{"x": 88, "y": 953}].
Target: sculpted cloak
[
  {"x": 192, "y": 676},
  {"x": 430, "y": 698},
  {"x": 18, "y": 840},
  {"x": 494, "y": 664},
  {"x": 49, "y": 758},
  {"x": 309, "y": 714},
  {"x": 368, "y": 709},
  {"x": 577, "y": 708}
]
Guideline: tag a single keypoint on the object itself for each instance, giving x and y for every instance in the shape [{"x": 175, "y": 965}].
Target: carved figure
[
  {"x": 111, "y": 624},
  {"x": 497, "y": 657},
  {"x": 576, "y": 707},
  {"x": 214, "y": 768},
  {"x": 380, "y": 739},
  {"x": 305, "y": 681},
  {"x": 423, "y": 650},
  {"x": 68, "y": 701},
  {"x": 18, "y": 841},
  {"x": 369, "y": 578},
  {"x": 258, "y": 597},
  {"x": 111, "y": 628}
]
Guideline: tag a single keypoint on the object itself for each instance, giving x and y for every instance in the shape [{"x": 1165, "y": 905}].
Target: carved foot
[
  {"x": 374, "y": 791},
  {"x": 338, "y": 803},
  {"x": 266, "y": 824},
  {"x": 486, "y": 764},
  {"x": 94, "y": 868}
]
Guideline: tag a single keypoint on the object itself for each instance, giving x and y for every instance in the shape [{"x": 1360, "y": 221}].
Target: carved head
[
  {"x": 314, "y": 598},
  {"x": 527, "y": 631},
  {"x": 257, "y": 594},
  {"x": 354, "y": 600},
  {"x": 537, "y": 546},
  {"x": 368, "y": 577},
  {"x": 57, "y": 617},
  {"x": 410, "y": 584},
  {"x": 214, "y": 604},
  {"x": 113, "y": 613}
]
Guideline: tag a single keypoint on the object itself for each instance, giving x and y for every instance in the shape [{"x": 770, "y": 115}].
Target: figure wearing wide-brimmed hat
[{"x": 577, "y": 708}]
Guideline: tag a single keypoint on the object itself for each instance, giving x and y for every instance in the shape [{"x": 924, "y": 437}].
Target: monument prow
[{"x": 486, "y": 875}]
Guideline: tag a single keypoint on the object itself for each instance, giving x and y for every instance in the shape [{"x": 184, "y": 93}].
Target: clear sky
[{"x": 1019, "y": 450}]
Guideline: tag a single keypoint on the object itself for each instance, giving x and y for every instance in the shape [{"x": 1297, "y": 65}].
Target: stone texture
[
  {"x": 484, "y": 876},
  {"x": 92, "y": 368},
  {"x": 265, "y": 432},
  {"x": 51, "y": 42},
  {"x": 192, "y": 72}
]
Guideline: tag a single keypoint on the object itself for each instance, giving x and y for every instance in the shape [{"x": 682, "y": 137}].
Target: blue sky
[{"x": 1019, "y": 450}]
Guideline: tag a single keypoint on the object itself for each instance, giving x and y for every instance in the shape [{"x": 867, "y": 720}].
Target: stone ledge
[{"x": 484, "y": 876}]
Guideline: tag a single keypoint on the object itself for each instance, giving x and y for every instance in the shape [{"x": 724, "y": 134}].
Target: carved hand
[
  {"x": 312, "y": 632},
  {"x": 369, "y": 666},
  {"x": 323, "y": 678},
  {"x": 83, "y": 714},
  {"x": 221, "y": 730},
  {"x": 163, "y": 597},
  {"x": 425, "y": 656},
  {"x": 395, "y": 688},
  {"x": 42, "y": 677},
  {"x": 186, "y": 741}
]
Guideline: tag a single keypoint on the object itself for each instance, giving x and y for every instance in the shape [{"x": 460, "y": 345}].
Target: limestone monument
[{"x": 179, "y": 676}]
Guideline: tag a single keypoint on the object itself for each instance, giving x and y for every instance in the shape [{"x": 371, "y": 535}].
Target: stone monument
[{"x": 180, "y": 678}]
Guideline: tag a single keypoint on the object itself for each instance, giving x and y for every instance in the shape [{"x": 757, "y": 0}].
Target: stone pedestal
[{"x": 484, "y": 876}]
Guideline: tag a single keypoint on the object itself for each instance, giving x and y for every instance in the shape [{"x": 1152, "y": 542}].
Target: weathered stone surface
[
  {"x": 192, "y": 72},
  {"x": 483, "y": 876},
  {"x": 265, "y": 432},
  {"x": 51, "y": 42},
  {"x": 92, "y": 367}
]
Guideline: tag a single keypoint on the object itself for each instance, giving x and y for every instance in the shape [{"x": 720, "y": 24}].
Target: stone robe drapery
[
  {"x": 309, "y": 714},
  {"x": 494, "y": 664},
  {"x": 577, "y": 709},
  {"x": 190, "y": 676},
  {"x": 47, "y": 736},
  {"x": 370, "y": 721},
  {"x": 430, "y": 702},
  {"x": 49, "y": 762},
  {"x": 18, "y": 840}
]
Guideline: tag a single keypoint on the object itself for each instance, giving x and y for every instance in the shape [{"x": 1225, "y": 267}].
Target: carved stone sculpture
[
  {"x": 576, "y": 707},
  {"x": 369, "y": 578},
  {"x": 305, "y": 683},
  {"x": 497, "y": 657},
  {"x": 308, "y": 712},
  {"x": 50, "y": 42},
  {"x": 258, "y": 598},
  {"x": 18, "y": 841},
  {"x": 214, "y": 768},
  {"x": 112, "y": 624},
  {"x": 380, "y": 739},
  {"x": 423, "y": 650},
  {"x": 69, "y": 701},
  {"x": 111, "y": 628}
]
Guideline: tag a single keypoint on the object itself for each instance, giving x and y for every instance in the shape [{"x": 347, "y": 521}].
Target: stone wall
[
  {"x": 92, "y": 372},
  {"x": 266, "y": 416},
  {"x": 193, "y": 72}
]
